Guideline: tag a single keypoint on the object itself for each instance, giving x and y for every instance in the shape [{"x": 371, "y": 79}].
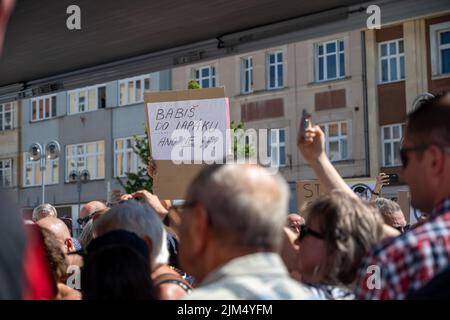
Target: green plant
[
  {"x": 193, "y": 84},
  {"x": 139, "y": 180}
]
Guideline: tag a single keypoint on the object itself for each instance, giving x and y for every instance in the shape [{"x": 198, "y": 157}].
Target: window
[
  {"x": 247, "y": 75},
  {"x": 32, "y": 172},
  {"x": 5, "y": 173},
  {"x": 440, "y": 48},
  {"x": 7, "y": 116},
  {"x": 330, "y": 60},
  {"x": 336, "y": 140},
  {"x": 86, "y": 99},
  {"x": 131, "y": 90},
  {"x": 90, "y": 156},
  {"x": 277, "y": 147},
  {"x": 275, "y": 70},
  {"x": 125, "y": 159},
  {"x": 43, "y": 108},
  {"x": 391, "y": 137},
  {"x": 206, "y": 76},
  {"x": 392, "y": 61}
]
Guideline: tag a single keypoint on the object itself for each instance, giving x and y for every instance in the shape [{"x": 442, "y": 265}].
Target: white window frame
[
  {"x": 126, "y": 100},
  {"x": 40, "y": 117},
  {"x": 9, "y": 171},
  {"x": 339, "y": 138},
  {"x": 77, "y": 98},
  {"x": 247, "y": 73},
  {"x": 436, "y": 47},
  {"x": 212, "y": 76},
  {"x": 3, "y": 113},
  {"x": 50, "y": 178},
  {"x": 277, "y": 145},
  {"x": 93, "y": 175},
  {"x": 324, "y": 55},
  {"x": 391, "y": 141},
  {"x": 275, "y": 64},
  {"x": 388, "y": 57},
  {"x": 137, "y": 163}
]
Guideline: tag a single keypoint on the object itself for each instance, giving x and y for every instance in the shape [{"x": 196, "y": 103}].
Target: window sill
[
  {"x": 78, "y": 113},
  {"x": 260, "y": 92},
  {"x": 389, "y": 82},
  {"x": 440, "y": 76},
  {"x": 327, "y": 82},
  {"x": 48, "y": 119},
  {"x": 90, "y": 180},
  {"x": 343, "y": 162},
  {"x": 39, "y": 185},
  {"x": 131, "y": 104}
]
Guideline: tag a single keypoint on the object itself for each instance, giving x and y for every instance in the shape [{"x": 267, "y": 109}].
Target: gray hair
[
  {"x": 387, "y": 206},
  {"x": 247, "y": 205},
  {"x": 43, "y": 211},
  {"x": 87, "y": 234},
  {"x": 137, "y": 217}
]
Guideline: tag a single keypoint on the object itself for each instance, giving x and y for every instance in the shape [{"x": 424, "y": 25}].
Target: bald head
[
  {"x": 246, "y": 203},
  {"x": 92, "y": 207},
  {"x": 57, "y": 227}
]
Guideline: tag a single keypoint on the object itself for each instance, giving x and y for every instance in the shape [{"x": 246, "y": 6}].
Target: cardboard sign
[
  {"x": 309, "y": 190},
  {"x": 194, "y": 116},
  {"x": 168, "y": 110}
]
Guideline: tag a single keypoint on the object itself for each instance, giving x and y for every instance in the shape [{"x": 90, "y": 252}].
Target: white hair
[
  {"x": 43, "y": 211},
  {"x": 137, "y": 217}
]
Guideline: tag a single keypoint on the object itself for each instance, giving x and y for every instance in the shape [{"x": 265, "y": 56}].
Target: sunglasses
[
  {"x": 404, "y": 152},
  {"x": 304, "y": 231},
  {"x": 403, "y": 229}
]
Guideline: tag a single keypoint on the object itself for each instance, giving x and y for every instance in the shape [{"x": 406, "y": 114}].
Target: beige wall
[{"x": 298, "y": 93}]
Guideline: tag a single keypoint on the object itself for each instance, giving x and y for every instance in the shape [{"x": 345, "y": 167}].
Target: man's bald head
[
  {"x": 58, "y": 228},
  {"x": 247, "y": 204},
  {"x": 92, "y": 207}
]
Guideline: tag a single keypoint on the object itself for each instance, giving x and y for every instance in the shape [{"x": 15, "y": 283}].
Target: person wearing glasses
[
  {"x": 338, "y": 232},
  {"x": 392, "y": 214},
  {"x": 408, "y": 262},
  {"x": 230, "y": 233}
]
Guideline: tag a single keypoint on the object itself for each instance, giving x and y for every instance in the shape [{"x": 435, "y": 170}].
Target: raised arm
[{"x": 312, "y": 147}]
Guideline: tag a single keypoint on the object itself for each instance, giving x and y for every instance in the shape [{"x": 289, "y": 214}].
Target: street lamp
[
  {"x": 38, "y": 153},
  {"x": 79, "y": 177}
]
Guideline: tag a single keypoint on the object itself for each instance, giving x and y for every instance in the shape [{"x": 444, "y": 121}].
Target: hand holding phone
[{"x": 305, "y": 123}]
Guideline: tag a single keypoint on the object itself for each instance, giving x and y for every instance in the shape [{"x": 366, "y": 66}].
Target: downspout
[{"x": 365, "y": 103}]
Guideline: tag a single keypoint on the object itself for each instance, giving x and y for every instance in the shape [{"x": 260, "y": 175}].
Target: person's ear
[
  {"x": 69, "y": 245},
  {"x": 436, "y": 161},
  {"x": 200, "y": 229}
]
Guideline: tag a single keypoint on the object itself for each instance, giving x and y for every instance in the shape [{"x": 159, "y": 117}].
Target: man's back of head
[
  {"x": 92, "y": 207},
  {"x": 57, "y": 227},
  {"x": 231, "y": 211},
  {"x": 137, "y": 217},
  {"x": 247, "y": 204}
]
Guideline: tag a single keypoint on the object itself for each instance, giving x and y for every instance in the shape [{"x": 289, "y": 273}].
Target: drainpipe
[{"x": 365, "y": 103}]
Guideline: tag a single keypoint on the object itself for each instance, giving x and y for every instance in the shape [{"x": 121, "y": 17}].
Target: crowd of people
[{"x": 232, "y": 237}]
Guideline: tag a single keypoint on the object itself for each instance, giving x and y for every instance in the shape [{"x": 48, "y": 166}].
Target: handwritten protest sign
[
  {"x": 195, "y": 112},
  {"x": 197, "y": 117},
  {"x": 309, "y": 190}
]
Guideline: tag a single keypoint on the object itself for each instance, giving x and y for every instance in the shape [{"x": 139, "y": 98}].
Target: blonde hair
[{"x": 350, "y": 228}]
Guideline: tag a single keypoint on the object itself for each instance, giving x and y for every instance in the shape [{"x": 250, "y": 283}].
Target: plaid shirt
[{"x": 406, "y": 263}]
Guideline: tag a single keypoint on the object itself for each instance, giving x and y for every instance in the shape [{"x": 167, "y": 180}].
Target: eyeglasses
[
  {"x": 304, "y": 231},
  {"x": 83, "y": 221},
  {"x": 404, "y": 152},
  {"x": 403, "y": 229}
]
